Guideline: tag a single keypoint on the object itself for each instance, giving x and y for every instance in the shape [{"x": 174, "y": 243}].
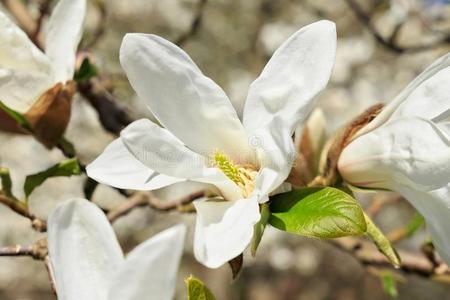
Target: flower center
[{"x": 242, "y": 175}]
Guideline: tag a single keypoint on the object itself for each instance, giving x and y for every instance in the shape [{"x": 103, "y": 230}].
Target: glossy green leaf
[
  {"x": 86, "y": 71},
  {"x": 66, "y": 168},
  {"x": 259, "y": 227},
  {"x": 197, "y": 290},
  {"x": 317, "y": 212},
  {"x": 382, "y": 242}
]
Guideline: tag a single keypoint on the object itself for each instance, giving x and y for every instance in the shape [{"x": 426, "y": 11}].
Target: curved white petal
[
  {"x": 409, "y": 151},
  {"x": 223, "y": 229},
  {"x": 159, "y": 150},
  {"x": 83, "y": 250},
  {"x": 429, "y": 99},
  {"x": 150, "y": 270},
  {"x": 425, "y": 96},
  {"x": 25, "y": 71},
  {"x": 277, "y": 156},
  {"x": 298, "y": 70},
  {"x": 187, "y": 103},
  {"x": 117, "y": 167},
  {"x": 63, "y": 35},
  {"x": 435, "y": 207}
]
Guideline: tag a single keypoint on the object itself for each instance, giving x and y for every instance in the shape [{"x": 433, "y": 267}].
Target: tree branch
[
  {"x": 37, "y": 251},
  {"x": 112, "y": 117},
  {"x": 140, "y": 199},
  {"x": 390, "y": 42},
  {"x": 21, "y": 209},
  {"x": 368, "y": 255},
  {"x": 195, "y": 25}
]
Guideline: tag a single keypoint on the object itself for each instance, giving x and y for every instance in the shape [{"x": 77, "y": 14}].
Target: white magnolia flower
[
  {"x": 203, "y": 139},
  {"x": 406, "y": 149},
  {"x": 88, "y": 262},
  {"x": 25, "y": 71}
]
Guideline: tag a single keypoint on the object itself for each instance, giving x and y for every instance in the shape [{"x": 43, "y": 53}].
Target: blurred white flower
[
  {"x": 25, "y": 71},
  {"x": 203, "y": 139},
  {"x": 88, "y": 262},
  {"x": 406, "y": 149}
]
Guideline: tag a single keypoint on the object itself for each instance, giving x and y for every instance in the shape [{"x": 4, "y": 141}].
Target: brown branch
[
  {"x": 368, "y": 255},
  {"x": 21, "y": 209},
  {"x": 19, "y": 11},
  {"x": 195, "y": 25},
  {"x": 140, "y": 199},
  {"x": 44, "y": 9},
  {"x": 136, "y": 200},
  {"x": 100, "y": 28},
  {"x": 51, "y": 274},
  {"x": 112, "y": 117},
  {"x": 390, "y": 42},
  {"x": 37, "y": 250}
]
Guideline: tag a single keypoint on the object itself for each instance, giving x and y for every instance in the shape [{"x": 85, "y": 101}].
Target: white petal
[
  {"x": 426, "y": 96},
  {"x": 277, "y": 156},
  {"x": 83, "y": 250},
  {"x": 150, "y": 270},
  {"x": 117, "y": 167},
  {"x": 159, "y": 150},
  {"x": 229, "y": 190},
  {"x": 429, "y": 99},
  {"x": 187, "y": 103},
  {"x": 63, "y": 35},
  {"x": 223, "y": 229},
  {"x": 409, "y": 151},
  {"x": 296, "y": 73},
  {"x": 24, "y": 70},
  {"x": 19, "y": 89},
  {"x": 435, "y": 207}
]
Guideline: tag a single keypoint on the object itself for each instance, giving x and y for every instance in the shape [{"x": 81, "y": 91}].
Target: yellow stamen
[{"x": 243, "y": 176}]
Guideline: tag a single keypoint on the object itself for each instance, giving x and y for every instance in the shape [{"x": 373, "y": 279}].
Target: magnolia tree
[{"x": 272, "y": 167}]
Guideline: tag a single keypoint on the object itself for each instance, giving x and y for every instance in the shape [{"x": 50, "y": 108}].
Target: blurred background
[{"x": 382, "y": 46}]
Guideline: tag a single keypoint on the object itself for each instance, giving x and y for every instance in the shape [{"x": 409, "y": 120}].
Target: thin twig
[
  {"x": 390, "y": 42},
  {"x": 51, "y": 274},
  {"x": 44, "y": 9},
  {"x": 140, "y": 199},
  {"x": 100, "y": 29},
  {"x": 367, "y": 254},
  {"x": 21, "y": 209},
  {"x": 136, "y": 200},
  {"x": 38, "y": 250},
  {"x": 195, "y": 24}
]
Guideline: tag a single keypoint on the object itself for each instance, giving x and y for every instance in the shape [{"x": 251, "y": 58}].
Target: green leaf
[
  {"x": 388, "y": 283},
  {"x": 86, "y": 71},
  {"x": 18, "y": 117},
  {"x": 317, "y": 212},
  {"x": 415, "y": 224},
  {"x": 258, "y": 229},
  {"x": 197, "y": 290},
  {"x": 382, "y": 242},
  {"x": 66, "y": 147},
  {"x": 6, "y": 182},
  {"x": 67, "y": 167}
]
